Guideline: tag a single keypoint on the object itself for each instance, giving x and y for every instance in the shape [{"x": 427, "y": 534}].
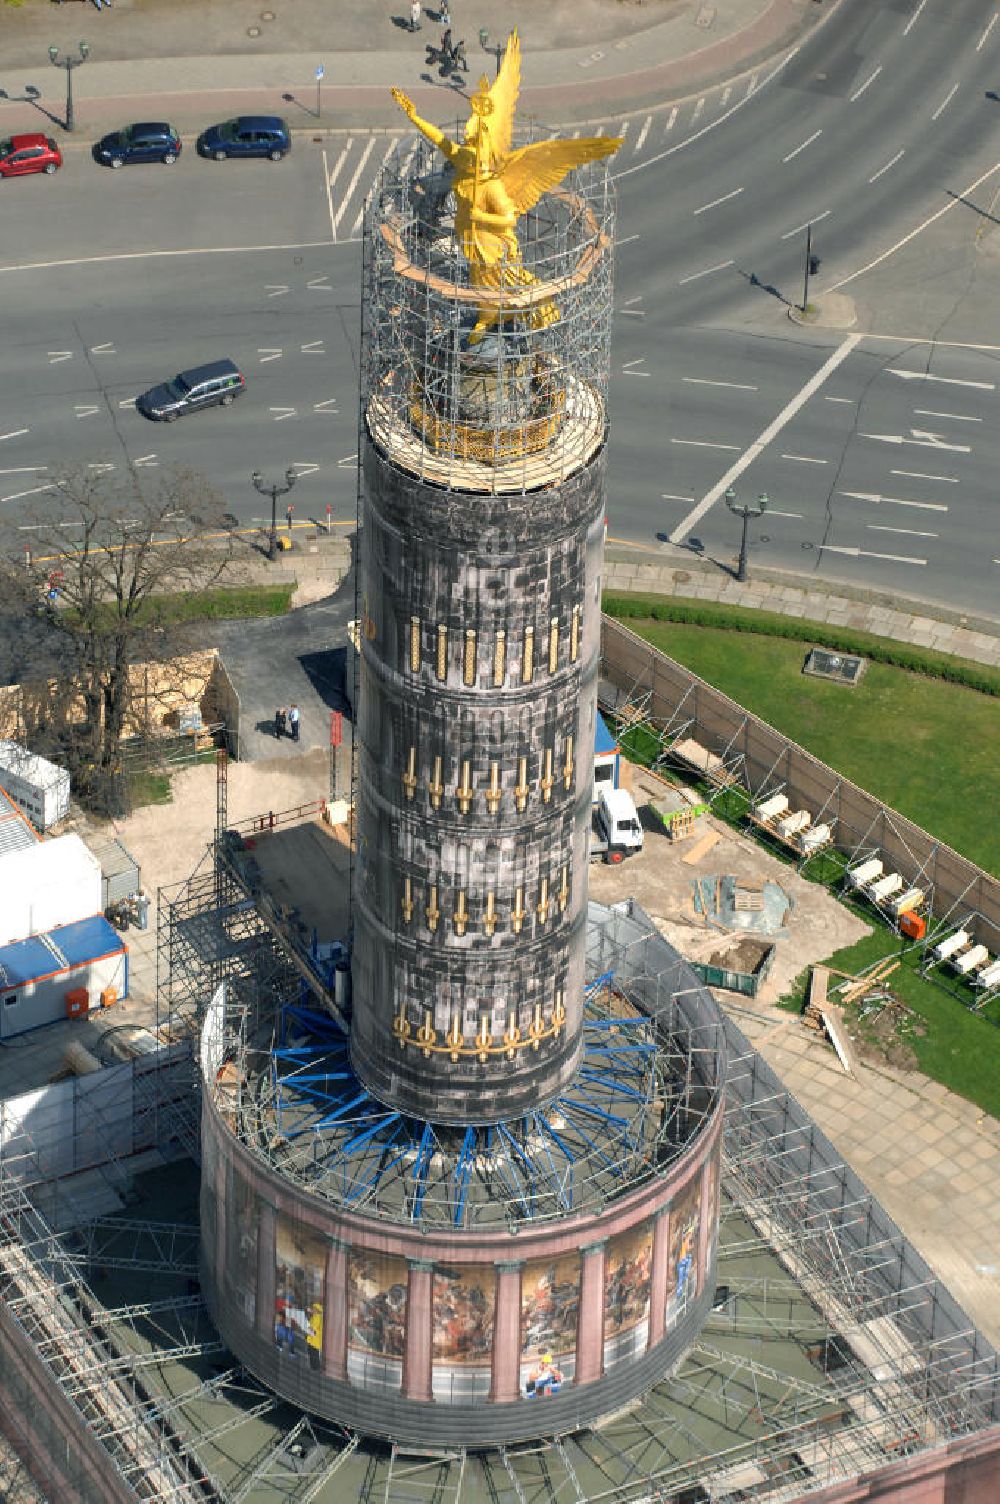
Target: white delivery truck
[{"x": 615, "y": 830}]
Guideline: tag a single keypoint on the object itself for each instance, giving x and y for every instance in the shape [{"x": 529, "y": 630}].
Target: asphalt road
[{"x": 112, "y": 281}]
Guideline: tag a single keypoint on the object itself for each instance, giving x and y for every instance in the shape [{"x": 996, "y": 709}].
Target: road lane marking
[
  {"x": 706, "y": 273},
  {"x": 725, "y": 96},
  {"x": 632, "y": 313},
  {"x": 338, "y": 165},
  {"x": 716, "y": 201},
  {"x": 304, "y": 467},
  {"x": 705, "y": 444},
  {"x": 369, "y": 148},
  {"x": 15, "y": 433},
  {"x": 870, "y": 80},
  {"x": 127, "y": 401},
  {"x": 751, "y": 85},
  {"x": 911, "y": 532},
  {"x": 946, "y": 101},
  {"x": 891, "y": 163},
  {"x": 329, "y": 196},
  {"x": 864, "y": 553},
  {"x": 839, "y": 399},
  {"x": 771, "y": 512},
  {"x": 35, "y": 491},
  {"x": 670, "y": 121},
  {"x": 55, "y": 356},
  {"x": 698, "y": 109},
  {"x": 280, "y": 413},
  {"x": 25, "y": 470},
  {"x": 773, "y": 428},
  {"x": 913, "y": 19},
  {"x": 319, "y": 284},
  {"x": 101, "y": 465},
  {"x": 314, "y": 347},
  {"x": 276, "y": 289},
  {"x": 985, "y": 386},
  {"x": 927, "y": 412},
  {"x": 982, "y": 40},
  {"x": 108, "y": 348},
  {"x": 349, "y": 459},
  {"x": 806, "y": 223},
  {"x": 85, "y": 409},
  {"x": 670, "y": 496},
  {"x": 739, "y": 386},
  {"x": 625, "y": 239},
  {"x": 807, "y": 142},
  {"x": 949, "y": 480},
  {"x": 918, "y": 229},
  {"x": 922, "y": 438},
  {"x": 146, "y": 459},
  {"x": 627, "y": 368},
  {"x": 268, "y": 353},
  {"x": 897, "y": 501},
  {"x": 328, "y": 405},
  {"x": 804, "y": 459},
  {"x": 640, "y": 139}
]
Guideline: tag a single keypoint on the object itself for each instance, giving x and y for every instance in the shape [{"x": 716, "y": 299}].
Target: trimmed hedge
[{"x": 925, "y": 661}]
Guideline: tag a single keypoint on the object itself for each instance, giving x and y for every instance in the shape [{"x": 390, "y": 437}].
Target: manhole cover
[{"x": 253, "y": 31}]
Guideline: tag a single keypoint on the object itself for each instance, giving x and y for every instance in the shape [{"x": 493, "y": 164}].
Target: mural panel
[
  {"x": 241, "y": 1254},
  {"x": 550, "y": 1304},
  {"x": 300, "y": 1271},
  {"x": 376, "y": 1319},
  {"x": 712, "y": 1199},
  {"x": 462, "y": 1331},
  {"x": 683, "y": 1273},
  {"x": 628, "y": 1265}
]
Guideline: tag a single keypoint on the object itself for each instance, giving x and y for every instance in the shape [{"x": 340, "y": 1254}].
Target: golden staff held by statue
[{"x": 495, "y": 186}]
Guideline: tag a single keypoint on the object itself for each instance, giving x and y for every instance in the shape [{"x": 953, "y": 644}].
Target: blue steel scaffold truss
[{"x": 627, "y": 1113}]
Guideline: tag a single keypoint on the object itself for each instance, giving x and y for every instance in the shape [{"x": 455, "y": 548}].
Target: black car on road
[
  {"x": 148, "y": 141},
  {"x": 217, "y": 384},
  {"x": 247, "y": 136}
]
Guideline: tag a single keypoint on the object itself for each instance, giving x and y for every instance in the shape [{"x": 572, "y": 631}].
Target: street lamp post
[
  {"x": 496, "y": 47},
  {"x": 274, "y": 491},
  {"x": 69, "y": 63},
  {"x": 746, "y": 510}
]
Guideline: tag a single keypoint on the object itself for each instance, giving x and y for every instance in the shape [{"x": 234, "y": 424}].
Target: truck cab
[{"x": 616, "y": 832}]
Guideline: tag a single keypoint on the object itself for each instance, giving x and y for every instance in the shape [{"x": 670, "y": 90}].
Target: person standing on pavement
[
  {"x": 415, "y": 15},
  {"x": 279, "y": 722},
  {"x": 444, "y": 16},
  {"x": 293, "y": 721}
]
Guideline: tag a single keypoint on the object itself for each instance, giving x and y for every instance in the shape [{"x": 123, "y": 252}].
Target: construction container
[
  {"x": 54, "y": 976},
  {"x": 739, "y": 965},
  {"x": 607, "y": 759},
  {"x": 37, "y": 786},
  {"x": 120, "y": 876},
  {"x": 16, "y": 832},
  {"x": 45, "y": 885},
  {"x": 913, "y": 926}
]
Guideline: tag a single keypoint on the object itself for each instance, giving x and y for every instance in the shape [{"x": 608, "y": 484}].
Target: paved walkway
[{"x": 192, "y": 60}]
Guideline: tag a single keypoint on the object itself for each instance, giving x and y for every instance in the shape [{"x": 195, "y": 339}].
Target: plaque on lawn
[{"x": 843, "y": 668}]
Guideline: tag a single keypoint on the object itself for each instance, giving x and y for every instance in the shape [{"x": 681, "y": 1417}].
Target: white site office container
[
  {"x": 36, "y": 785},
  {"x": 53, "y": 883}
]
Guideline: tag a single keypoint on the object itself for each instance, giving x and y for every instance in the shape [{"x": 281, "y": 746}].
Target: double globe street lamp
[
  {"x": 274, "y": 491},
  {"x": 69, "y": 63},
  {"x": 746, "y": 510}
]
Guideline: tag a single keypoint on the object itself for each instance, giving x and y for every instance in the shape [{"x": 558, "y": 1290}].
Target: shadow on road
[
  {"x": 767, "y": 287},
  {"x": 983, "y": 213}
]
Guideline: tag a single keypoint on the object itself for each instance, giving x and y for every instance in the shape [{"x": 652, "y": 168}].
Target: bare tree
[{"x": 96, "y": 596}]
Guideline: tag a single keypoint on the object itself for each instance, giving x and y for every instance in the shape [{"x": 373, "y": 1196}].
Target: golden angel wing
[
  {"x": 503, "y": 95},
  {"x": 534, "y": 169}
]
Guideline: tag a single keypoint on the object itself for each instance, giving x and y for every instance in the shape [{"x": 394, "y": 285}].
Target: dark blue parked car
[
  {"x": 149, "y": 141},
  {"x": 247, "y": 136}
]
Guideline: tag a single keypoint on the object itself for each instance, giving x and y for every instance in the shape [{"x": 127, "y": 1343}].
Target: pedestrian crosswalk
[{"x": 352, "y": 162}]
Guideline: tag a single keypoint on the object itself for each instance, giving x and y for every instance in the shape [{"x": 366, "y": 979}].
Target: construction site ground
[{"x": 931, "y": 1158}]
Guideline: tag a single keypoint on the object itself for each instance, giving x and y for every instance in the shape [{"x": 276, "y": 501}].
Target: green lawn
[{"x": 924, "y": 747}]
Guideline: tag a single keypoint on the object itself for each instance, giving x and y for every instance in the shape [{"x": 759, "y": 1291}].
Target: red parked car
[{"x": 35, "y": 153}]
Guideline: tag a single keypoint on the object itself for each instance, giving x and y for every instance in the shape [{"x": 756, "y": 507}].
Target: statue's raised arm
[{"x": 435, "y": 136}]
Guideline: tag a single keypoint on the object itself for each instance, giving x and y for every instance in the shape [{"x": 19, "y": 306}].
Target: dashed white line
[
  {"x": 807, "y": 142},
  {"x": 276, "y": 289},
  {"x": 870, "y": 80},
  {"x": 948, "y": 480},
  {"x": 625, "y": 240},
  {"x": 982, "y": 40},
  {"x": 804, "y": 459},
  {"x": 328, "y": 405},
  {"x": 891, "y": 163},
  {"x": 913, "y": 19},
  {"x": 85, "y": 409},
  {"x": 280, "y": 413},
  {"x": 267, "y": 354},
  {"x": 313, "y": 347},
  {"x": 147, "y": 459},
  {"x": 56, "y": 356},
  {"x": 670, "y": 120},
  {"x": 24, "y": 470},
  {"x": 697, "y": 109},
  {"x": 927, "y": 412},
  {"x": 911, "y": 532},
  {"x": 751, "y": 85},
  {"x": 739, "y": 386},
  {"x": 725, "y": 97},
  {"x": 864, "y": 553},
  {"x": 670, "y": 496},
  {"x": 704, "y": 444},
  {"x": 772, "y": 513},
  {"x": 706, "y": 273},
  {"x": 127, "y": 402},
  {"x": 35, "y": 491},
  {"x": 15, "y": 433},
  {"x": 839, "y": 399},
  {"x": 640, "y": 139},
  {"x": 897, "y": 501},
  {"x": 946, "y": 101},
  {"x": 107, "y": 348},
  {"x": 628, "y": 369},
  {"x": 806, "y": 223},
  {"x": 757, "y": 448},
  {"x": 716, "y": 201}
]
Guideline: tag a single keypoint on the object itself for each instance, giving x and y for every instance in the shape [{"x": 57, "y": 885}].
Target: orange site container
[
  {"x": 77, "y": 1002},
  {"x": 914, "y": 926}
]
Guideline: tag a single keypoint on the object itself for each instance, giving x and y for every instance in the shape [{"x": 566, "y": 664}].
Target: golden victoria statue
[{"x": 495, "y": 186}]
